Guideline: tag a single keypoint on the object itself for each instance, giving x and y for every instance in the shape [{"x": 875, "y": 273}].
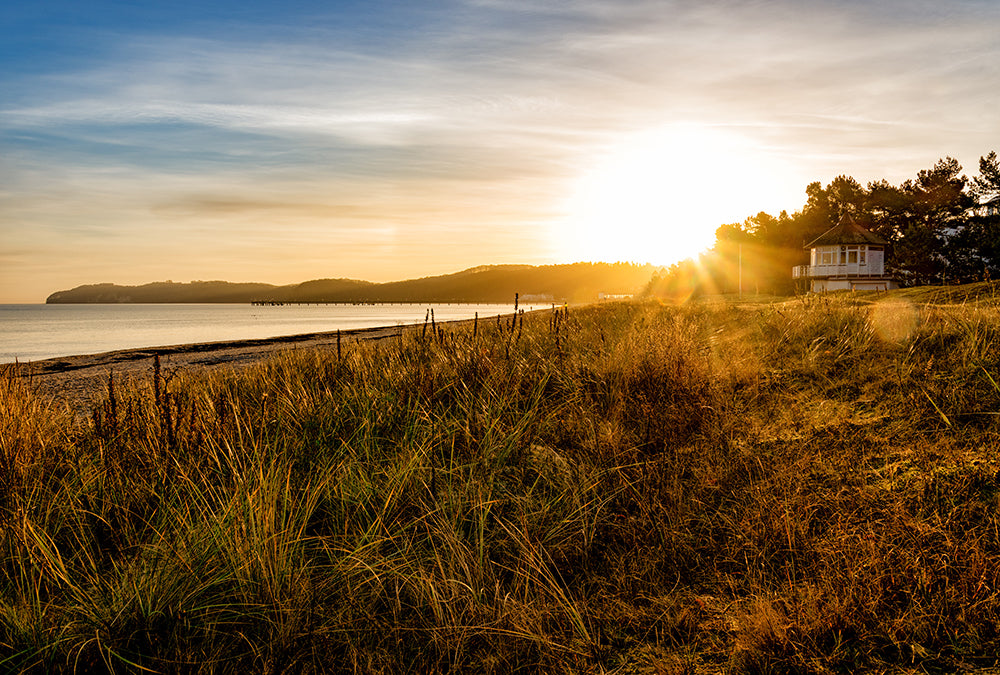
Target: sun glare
[{"x": 660, "y": 195}]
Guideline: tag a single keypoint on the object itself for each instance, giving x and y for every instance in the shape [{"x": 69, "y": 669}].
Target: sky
[{"x": 285, "y": 141}]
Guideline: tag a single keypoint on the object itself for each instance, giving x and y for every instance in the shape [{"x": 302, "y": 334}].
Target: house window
[
  {"x": 852, "y": 257},
  {"x": 861, "y": 257},
  {"x": 843, "y": 255},
  {"x": 826, "y": 258}
]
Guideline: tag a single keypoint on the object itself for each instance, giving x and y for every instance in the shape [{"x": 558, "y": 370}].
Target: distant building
[
  {"x": 989, "y": 207},
  {"x": 847, "y": 257}
]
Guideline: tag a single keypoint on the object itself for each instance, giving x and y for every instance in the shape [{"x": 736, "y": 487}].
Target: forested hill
[{"x": 577, "y": 282}]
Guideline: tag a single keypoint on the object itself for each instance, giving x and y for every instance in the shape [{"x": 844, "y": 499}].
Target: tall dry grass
[{"x": 802, "y": 486}]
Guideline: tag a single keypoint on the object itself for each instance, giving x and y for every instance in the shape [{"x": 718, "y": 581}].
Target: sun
[{"x": 658, "y": 196}]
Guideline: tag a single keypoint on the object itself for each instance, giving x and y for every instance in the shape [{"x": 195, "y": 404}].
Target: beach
[{"x": 79, "y": 380}]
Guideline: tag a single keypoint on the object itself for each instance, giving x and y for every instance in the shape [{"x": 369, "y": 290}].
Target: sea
[{"x": 36, "y": 332}]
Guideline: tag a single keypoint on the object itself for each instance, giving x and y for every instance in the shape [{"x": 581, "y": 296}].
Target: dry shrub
[
  {"x": 661, "y": 383},
  {"x": 787, "y": 634}
]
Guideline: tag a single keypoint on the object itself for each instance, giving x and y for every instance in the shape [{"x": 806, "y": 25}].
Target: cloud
[
  {"x": 464, "y": 124},
  {"x": 478, "y": 81}
]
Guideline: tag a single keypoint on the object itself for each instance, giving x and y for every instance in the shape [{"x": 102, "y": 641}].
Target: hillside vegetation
[
  {"x": 578, "y": 282},
  {"x": 807, "y": 485}
]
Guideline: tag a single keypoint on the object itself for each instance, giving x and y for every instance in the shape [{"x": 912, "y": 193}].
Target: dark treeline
[{"x": 942, "y": 227}]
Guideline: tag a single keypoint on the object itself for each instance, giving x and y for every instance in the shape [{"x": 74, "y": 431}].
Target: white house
[
  {"x": 847, "y": 257},
  {"x": 988, "y": 207}
]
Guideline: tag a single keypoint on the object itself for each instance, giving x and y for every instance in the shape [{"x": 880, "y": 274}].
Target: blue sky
[{"x": 282, "y": 142}]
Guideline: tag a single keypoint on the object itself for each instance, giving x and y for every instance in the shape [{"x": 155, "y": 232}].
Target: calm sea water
[{"x": 35, "y": 332}]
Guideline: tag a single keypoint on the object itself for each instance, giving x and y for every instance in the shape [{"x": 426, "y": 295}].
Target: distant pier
[{"x": 282, "y": 303}]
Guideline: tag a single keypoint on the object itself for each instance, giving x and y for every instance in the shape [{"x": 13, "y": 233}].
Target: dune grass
[{"x": 799, "y": 486}]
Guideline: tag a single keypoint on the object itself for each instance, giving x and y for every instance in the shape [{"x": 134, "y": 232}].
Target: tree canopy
[{"x": 941, "y": 226}]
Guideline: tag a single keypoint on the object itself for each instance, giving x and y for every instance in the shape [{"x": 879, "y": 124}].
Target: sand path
[{"x": 79, "y": 380}]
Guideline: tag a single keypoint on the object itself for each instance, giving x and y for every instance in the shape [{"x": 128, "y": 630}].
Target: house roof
[{"x": 846, "y": 232}]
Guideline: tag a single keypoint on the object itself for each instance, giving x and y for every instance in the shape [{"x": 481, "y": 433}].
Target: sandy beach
[{"x": 78, "y": 380}]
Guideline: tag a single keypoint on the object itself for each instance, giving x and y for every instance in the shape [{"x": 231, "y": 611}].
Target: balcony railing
[{"x": 809, "y": 271}]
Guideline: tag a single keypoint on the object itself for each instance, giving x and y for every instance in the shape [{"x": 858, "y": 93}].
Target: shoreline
[{"x": 78, "y": 379}]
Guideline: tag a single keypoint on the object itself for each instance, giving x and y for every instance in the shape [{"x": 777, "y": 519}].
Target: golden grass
[{"x": 798, "y": 486}]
